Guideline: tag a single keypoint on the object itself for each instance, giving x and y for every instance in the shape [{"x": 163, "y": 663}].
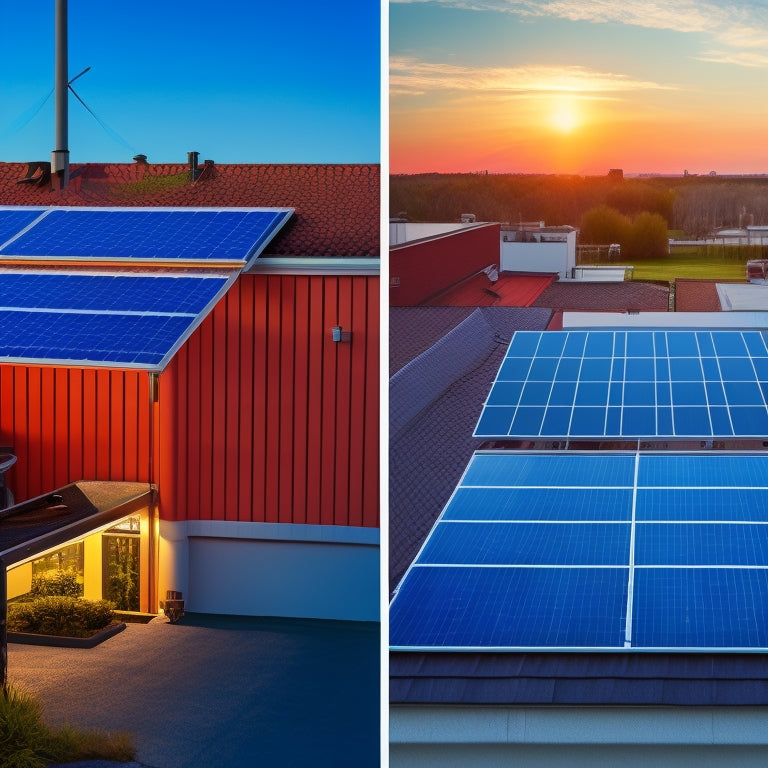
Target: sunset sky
[{"x": 572, "y": 86}]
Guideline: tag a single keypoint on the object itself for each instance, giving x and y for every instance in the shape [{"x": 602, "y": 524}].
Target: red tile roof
[
  {"x": 698, "y": 295},
  {"x": 510, "y": 290},
  {"x": 337, "y": 206}
]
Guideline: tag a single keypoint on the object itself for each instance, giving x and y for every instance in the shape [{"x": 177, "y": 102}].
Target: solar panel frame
[
  {"x": 113, "y": 319},
  {"x": 677, "y": 384},
  {"x": 208, "y": 236},
  {"x": 672, "y": 541}
]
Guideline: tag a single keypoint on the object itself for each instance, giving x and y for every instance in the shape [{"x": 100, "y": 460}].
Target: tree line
[{"x": 695, "y": 206}]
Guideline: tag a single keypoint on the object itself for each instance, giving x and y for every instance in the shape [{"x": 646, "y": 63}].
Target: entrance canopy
[{"x": 70, "y": 512}]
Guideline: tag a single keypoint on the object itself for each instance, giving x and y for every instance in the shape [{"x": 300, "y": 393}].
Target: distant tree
[
  {"x": 648, "y": 238},
  {"x": 603, "y": 226}
]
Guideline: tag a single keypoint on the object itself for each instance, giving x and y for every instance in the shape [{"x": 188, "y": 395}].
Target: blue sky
[{"x": 239, "y": 82}]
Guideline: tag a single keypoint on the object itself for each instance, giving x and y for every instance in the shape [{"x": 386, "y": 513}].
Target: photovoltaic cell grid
[
  {"x": 131, "y": 320},
  {"x": 207, "y": 235},
  {"x": 630, "y": 384},
  {"x": 14, "y": 220},
  {"x": 594, "y": 551},
  {"x": 111, "y": 319}
]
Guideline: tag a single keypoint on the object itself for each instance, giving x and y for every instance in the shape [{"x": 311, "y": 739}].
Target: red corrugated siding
[
  {"x": 68, "y": 424},
  {"x": 423, "y": 269},
  {"x": 264, "y": 418}
]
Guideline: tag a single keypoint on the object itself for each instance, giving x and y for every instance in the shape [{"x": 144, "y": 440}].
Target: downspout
[
  {"x": 4, "y": 627},
  {"x": 152, "y": 539},
  {"x": 60, "y": 155}
]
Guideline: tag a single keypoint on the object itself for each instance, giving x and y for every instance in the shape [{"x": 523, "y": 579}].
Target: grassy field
[{"x": 702, "y": 262}]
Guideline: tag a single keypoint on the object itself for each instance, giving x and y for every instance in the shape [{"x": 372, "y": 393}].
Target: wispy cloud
[
  {"x": 409, "y": 75},
  {"x": 737, "y": 30}
]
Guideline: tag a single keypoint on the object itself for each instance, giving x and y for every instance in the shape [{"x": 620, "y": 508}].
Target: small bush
[
  {"x": 73, "y": 746},
  {"x": 57, "y": 615},
  {"x": 26, "y": 742},
  {"x": 62, "y": 583}
]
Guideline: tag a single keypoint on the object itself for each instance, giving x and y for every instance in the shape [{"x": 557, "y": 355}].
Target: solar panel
[
  {"x": 14, "y": 219},
  {"x": 630, "y": 384},
  {"x": 621, "y": 551},
  {"x": 206, "y": 235},
  {"x": 131, "y": 320}
]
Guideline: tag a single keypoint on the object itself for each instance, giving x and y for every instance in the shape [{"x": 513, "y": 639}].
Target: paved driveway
[{"x": 220, "y": 692}]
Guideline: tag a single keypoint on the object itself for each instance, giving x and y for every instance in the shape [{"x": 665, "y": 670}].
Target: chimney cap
[{"x": 140, "y": 158}]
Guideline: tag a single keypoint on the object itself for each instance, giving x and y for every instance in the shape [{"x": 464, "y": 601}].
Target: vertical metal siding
[
  {"x": 264, "y": 418},
  {"x": 69, "y": 424}
]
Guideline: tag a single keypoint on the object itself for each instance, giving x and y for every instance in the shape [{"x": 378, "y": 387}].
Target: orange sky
[{"x": 517, "y": 89}]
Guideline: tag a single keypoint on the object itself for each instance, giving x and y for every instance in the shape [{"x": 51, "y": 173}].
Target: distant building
[{"x": 534, "y": 247}]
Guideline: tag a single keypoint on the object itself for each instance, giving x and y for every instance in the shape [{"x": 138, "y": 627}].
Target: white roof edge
[
  {"x": 277, "y": 265},
  {"x": 664, "y": 320}
]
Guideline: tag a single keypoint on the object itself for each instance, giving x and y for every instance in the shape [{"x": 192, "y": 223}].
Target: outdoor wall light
[{"x": 337, "y": 334}]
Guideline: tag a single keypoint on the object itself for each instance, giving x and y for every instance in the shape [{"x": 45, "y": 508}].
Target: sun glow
[{"x": 565, "y": 116}]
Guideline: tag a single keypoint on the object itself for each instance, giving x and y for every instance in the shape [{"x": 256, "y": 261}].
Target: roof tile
[{"x": 337, "y": 206}]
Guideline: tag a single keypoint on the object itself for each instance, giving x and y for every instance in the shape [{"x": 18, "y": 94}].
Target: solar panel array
[
  {"x": 208, "y": 235},
  {"x": 594, "y": 551},
  {"x": 129, "y": 320},
  {"x": 630, "y": 384},
  {"x": 137, "y": 318}
]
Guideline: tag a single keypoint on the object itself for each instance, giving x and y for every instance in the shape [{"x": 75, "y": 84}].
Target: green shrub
[
  {"x": 26, "y": 742},
  {"x": 62, "y": 583},
  {"x": 60, "y": 615}
]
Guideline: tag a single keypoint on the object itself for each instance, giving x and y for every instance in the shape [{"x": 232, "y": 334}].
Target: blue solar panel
[
  {"x": 700, "y": 608},
  {"x": 14, "y": 220},
  {"x": 645, "y": 551},
  {"x": 701, "y": 544},
  {"x": 609, "y": 504},
  {"x": 102, "y": 319},
  {"x": 630, "y": 384},
  {"x": 156, "y": 292},
  {"x": 707, "y": 504},
  {"x": 157, "y": 234},
  {"x": 135, "y": 340},
  {"x": 528, "y": 544},
  {"x": 511, "y": 607}
]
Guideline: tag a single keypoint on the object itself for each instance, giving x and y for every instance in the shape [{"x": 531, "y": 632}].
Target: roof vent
[
  {"x": 38, "y": 172},
  {"x": 140, "y": 159},
  {"x": 192, "y": 160}
]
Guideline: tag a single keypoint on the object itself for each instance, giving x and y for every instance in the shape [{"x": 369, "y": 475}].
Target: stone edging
[{"x": 27, "y": 638}]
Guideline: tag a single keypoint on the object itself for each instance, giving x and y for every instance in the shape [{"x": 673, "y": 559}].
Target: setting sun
[{"x": 564, "y": 117}]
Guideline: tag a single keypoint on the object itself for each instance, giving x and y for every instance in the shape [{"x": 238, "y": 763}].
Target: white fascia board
[{"x": 277, "y": 265}]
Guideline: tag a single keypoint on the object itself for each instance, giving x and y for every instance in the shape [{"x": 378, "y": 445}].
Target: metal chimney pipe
[{"x": 60, "y": 155}]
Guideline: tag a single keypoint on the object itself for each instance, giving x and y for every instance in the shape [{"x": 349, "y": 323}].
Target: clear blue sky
[{"x": 239, "y": 82}]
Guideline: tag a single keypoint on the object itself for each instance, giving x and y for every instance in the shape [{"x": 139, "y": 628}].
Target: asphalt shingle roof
[{"x": 431, "y": 451}]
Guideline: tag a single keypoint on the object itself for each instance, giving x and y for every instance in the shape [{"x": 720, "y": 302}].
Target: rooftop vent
[
  {"x": 140, "y": 159},
  {"x": 192, "y": 159},
  {"x": 38, "y": 172}
]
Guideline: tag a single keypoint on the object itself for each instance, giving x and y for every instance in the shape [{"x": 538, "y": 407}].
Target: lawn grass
[
  {"x": 696, "y": 262},
  {"x": 689, "y": 266}
]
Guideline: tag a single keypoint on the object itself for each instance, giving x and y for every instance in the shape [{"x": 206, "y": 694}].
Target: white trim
[
  {"x": 276, "y": 265},
  {"x": 323, "y": 534},
  {"x": 443, "y": 725}
]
